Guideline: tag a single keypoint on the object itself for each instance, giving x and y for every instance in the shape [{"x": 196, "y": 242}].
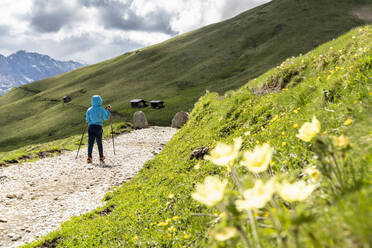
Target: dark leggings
[{"x": 95, "y": 133}]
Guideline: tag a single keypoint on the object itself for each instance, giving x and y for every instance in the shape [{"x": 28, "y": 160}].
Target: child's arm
[{"x": 106, "y": 114}]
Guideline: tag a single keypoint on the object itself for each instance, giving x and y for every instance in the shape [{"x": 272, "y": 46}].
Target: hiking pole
[
  {"x": 82, "y": 136},
  {"x": 112, "y": 131}
]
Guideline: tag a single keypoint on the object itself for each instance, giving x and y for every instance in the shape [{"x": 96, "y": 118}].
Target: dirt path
[{"x": 36, "y": 197}]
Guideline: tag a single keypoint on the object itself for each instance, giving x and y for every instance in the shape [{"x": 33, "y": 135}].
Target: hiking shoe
[
  {"x": 102, "y": 159},
  {"x": 89, "y": 160}
]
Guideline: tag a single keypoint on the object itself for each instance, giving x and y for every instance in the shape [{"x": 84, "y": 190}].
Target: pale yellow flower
[
  {"x": 226, "y": 234},
  {"x": 197, "y": 167},
  {"x": 297, "y": 191},
  {"x": 341, "y": 141},
  {"x": 225, "y": 155},
  {"x": 170, "y": 196},
  {"x": 308, "y": 130},
  {"x": 256, "y": 197},
  {"x": 258, "y": 160},
  {"x": 211, "y": 192},
  {"x": 313, "y": 173},
  {"x": 348, "y": 122},
  {"x": 247, "y": 133}
]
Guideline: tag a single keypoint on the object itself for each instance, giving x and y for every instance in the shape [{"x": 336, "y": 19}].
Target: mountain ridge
[{"x": 24, "y": 67}]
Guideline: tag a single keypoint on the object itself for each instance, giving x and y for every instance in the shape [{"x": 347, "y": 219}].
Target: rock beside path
[
  {"x": 140, "y": 120},
  {"x": 180, "y": 119},
  {"x": 37, "y": 197}
]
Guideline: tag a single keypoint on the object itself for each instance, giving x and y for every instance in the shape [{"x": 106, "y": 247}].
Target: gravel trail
[{"x": 36, "y": 197}]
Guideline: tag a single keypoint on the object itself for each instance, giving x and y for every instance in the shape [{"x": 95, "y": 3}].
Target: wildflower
[
  {"x": 256, "y": 197},
  {"x": 258, "y": 160},
  {"x": 309, "y": 130},
  {"x": 172, "y": 229},
  {"x": 223, "y": 215},
  {"x": 186, "y": 236},
  {"x": 224, "y": 155},
  {"x": 297, "y": 191},
  {"x": 197, "y": 167},
  {"x": 295, "y": 125},
  {"x": 341, "y": 141},
  {"x": 175, "y": 217},
  {"x": 170, "y": 196},
  {"x": 163, "y": 223},
  {"x": 348, "y": 122},
  {"x": 313, "y": 174},
  {"x": 283, "y": 133},
  {"x": 247, "y": 133},
  {"x": 284, "y": 143},
  {"x": 226, "y": 234},
  {"x": 169, "y": 235},
  {"x": 211, "y": 192}
]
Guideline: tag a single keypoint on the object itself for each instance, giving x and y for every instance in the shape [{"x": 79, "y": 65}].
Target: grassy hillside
[
  {"x": 218, "y": 58},
  {"x": 333, "y": 83}
]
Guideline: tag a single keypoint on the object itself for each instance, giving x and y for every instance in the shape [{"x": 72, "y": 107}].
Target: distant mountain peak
[{"x": 24, "y": 67}]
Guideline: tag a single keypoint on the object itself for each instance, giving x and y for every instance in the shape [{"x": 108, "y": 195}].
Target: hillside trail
[{"x": 36, "y": 197}]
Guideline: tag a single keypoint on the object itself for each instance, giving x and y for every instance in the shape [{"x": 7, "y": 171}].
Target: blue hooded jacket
[{"x": 96, "y": 114}]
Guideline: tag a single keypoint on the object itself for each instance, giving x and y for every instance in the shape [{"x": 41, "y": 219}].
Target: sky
[{"x": 90, "y": 31}]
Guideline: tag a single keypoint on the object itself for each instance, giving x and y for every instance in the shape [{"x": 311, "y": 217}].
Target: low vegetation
[{"x": 302, "y": 151}]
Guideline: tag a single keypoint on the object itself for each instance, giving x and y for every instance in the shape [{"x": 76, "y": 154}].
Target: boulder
[
  {"x": 140, "y": 120},
  {"x": 199, "y": 153},
  {"x": 180, "y": 119}
]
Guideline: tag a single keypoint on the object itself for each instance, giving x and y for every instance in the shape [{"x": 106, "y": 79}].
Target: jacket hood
[{"x": 96, "y": 100}]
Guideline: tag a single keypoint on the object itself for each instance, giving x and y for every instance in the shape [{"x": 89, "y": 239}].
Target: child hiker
[{"x": 94, "y": 117}]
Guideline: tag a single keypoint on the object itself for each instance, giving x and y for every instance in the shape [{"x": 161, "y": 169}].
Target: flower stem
[
  {"x": 236, "y": 180},
  {"x": 243, "y": 235},
  {"x": 253, "y": 223}
]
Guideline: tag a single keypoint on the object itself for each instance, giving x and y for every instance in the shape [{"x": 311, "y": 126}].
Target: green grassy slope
[
  {"x": 218, "y": 57},
  {"x": 155, "y": 209}
]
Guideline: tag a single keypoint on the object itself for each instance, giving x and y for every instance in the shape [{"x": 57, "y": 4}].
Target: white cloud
[{"x": 94, "y": 30}]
